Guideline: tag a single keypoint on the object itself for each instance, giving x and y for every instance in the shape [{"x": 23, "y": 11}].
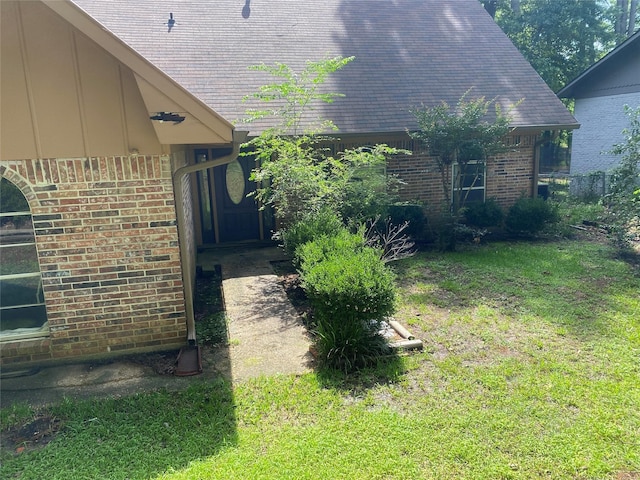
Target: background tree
[
  {"x": 625, "y": 12},
  {"x": 560, "y": 38}
]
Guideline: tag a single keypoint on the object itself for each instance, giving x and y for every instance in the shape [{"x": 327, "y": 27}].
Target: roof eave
[{"x": 567, "y": 90}]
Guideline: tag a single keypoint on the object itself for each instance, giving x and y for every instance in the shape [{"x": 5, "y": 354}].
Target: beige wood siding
[{"x": 62, "y": 94}]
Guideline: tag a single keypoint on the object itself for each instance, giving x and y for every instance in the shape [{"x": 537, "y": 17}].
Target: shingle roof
[{"x": 408, "y": 53}]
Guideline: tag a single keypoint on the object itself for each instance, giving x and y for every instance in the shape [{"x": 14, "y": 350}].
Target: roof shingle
[{"x": 407, "y": 53}]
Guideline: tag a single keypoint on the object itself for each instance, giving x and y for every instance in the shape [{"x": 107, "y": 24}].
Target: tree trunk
[
  {"x": 515, "y": 6},
  {"x": 621, "y": 17},
  {"x": 633, "y": 9}
]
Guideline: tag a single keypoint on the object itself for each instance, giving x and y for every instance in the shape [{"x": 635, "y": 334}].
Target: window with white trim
[
  {"x": 471, "y": 184},
  {"x": 22, "y": 307}
]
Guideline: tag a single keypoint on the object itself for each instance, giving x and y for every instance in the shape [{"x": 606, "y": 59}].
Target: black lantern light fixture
[{"x": 167, "y": 117}]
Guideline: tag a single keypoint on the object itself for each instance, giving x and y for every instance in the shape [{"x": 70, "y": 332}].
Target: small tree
[
  {"x": 308, "y": 186},
  {"x": 623, "y": 200},
  {"x": 461, "y": 136},
  {"x": 295, "y": 174},
  {"x": 295, "y": 95},
  {"x": 291, "y": 171}
]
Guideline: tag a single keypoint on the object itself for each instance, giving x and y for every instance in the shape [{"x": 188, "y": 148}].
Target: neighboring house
[
  {"x": 117, "y": 129},
  {"x": 600, "y": 94}
]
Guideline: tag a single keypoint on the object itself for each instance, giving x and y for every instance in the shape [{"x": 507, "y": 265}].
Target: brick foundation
[{"x": 108, "y": 248}]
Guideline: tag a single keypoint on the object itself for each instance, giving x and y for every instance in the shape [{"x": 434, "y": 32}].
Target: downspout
[{"x": 238, "y": 139}]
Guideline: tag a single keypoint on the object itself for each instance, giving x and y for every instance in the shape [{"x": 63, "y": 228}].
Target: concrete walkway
[
  {"x": 266, "y": 335},
  {"x": 265, "y": 332}
]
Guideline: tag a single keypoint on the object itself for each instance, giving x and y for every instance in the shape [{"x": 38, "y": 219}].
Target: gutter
[
  {"x": 568, "y": 126},
  {"x": 238, "y": 139}
]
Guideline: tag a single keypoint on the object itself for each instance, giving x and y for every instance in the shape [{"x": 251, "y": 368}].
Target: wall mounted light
[{"x": 167, "y": 117}]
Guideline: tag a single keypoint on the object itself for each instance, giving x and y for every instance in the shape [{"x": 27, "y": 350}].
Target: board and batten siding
[{"x": 64, "y": 96}]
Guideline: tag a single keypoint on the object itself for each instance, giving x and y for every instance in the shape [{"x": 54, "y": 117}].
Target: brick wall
[
  {"x": 108, "y": 249},
  {"x": 509, "y": 175}
]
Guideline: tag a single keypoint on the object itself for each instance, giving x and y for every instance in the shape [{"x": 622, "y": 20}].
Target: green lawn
[{"x": 531, "y": 369}]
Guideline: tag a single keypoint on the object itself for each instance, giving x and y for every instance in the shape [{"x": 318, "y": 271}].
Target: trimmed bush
[
  {"x": 353, "y": 286},
  {"x": 414, "y": 214},
  {"x": 312, "y": 226},
  {"x": 336, "y": 243},
  {"x": 351, "y": 291},
  {"x": 483, "y": 215},
  {"x": 530, "y": 216}
]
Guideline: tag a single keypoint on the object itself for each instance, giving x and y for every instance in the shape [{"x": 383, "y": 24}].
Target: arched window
[{"x": 22, "y": 307}]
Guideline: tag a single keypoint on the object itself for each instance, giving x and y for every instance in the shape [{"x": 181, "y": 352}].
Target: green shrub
[
  {"x": 338, "y": 242},
  {"x": 530, "y": 216},
  {"x": 351, "y": 292},
  {"x": 484, "y": 215},
  {"x": 348, "y": 346},
  {"x": 312, "y": 226},
  {"x": 366, "y": 195},
  {"x": 414, "y": 214},
  {"x": 623, "y": 200}
]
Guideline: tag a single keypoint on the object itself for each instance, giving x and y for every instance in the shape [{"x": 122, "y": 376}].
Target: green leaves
[
  {"x": 295, "y": 93},
  {"x": 455, "y": 133},
  {"x": 623, "y": 199},
  {"x": 559, "y": 38},
  {"x": 530, "y": 216},
  {"x": 460, "y": 135},
  {"x": 351, "y": 291},
  {"x": 296, "y": 173}
]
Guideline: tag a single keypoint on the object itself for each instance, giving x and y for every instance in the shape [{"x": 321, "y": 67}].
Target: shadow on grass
[
  {"x": 133, "y": 437},
  {"x": 116, "y": 433},
  {"x": 388, "y": 369}
]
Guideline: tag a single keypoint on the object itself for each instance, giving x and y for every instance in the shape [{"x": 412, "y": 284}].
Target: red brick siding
[
  {"x": 108, "y": 249},
  {"x": 509, "y": 175}
]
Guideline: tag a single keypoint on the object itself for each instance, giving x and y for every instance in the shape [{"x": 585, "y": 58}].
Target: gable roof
[
  {"x": 160, "y": 93},
  {"x": 407, "y": 53},
  {"x": 625, "y": 57}
]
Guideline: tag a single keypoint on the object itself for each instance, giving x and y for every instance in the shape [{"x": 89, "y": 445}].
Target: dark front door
[
  {"x": 238, "y": 215},
  {"x": 225, "y": 213}
]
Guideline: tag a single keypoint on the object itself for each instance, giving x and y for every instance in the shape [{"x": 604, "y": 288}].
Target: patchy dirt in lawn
[
  {"x": 32, "y": 435},
  {"x": 161, "y": 363}
]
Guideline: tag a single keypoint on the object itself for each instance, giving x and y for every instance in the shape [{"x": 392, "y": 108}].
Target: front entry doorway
[{"x": 227, "y": 211}]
